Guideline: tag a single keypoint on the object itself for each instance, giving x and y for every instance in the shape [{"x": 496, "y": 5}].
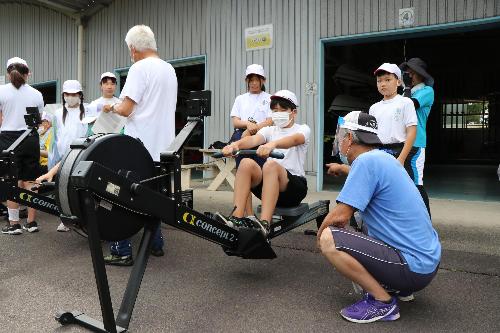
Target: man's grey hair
[
  {"x": 141, "y": 38},
  {"x": 344, "y": 131}
]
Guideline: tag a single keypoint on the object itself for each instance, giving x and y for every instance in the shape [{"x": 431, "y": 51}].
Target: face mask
[
  {"x": 72, "y": 101},
  {"x": 41, "y": 130},
  {"x": 343, "y": 158},
  {"x": 281, "y": 119}
]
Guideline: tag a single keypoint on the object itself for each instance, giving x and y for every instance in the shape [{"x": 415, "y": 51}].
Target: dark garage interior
[{"x": 463, "y": 129}]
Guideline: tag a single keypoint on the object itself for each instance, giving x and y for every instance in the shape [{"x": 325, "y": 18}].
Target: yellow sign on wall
[{"x": 260, "y": 37}]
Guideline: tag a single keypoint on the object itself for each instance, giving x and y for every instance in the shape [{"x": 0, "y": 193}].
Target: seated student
[
  {"x": 279, "y": 182},
  {"x": 401, "y": 250},
  {"x": 45, "y": 139}
]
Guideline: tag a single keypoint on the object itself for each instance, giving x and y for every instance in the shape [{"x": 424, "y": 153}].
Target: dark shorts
[
  {"x": 27, "y": 156},
  {"x": 386, "y": 264},
  {"x": 395, "y": 150},
  {"x": 295, "y": 191}
]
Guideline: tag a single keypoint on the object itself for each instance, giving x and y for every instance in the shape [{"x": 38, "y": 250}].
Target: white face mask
[
  {"x": 281, "y": 119},
  {"x": 72, "y": 101}
]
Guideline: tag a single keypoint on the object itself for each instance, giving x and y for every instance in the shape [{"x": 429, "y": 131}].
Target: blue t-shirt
[
  {"x": 392, "y": 209},
  {"x": 425, "y": 98}
]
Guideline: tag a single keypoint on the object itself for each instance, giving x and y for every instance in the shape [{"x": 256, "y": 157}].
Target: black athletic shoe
[
  {"x": 14, "y": 229},
  {"x": 115, "y": 260},
  {"x": 157, "y": 252},
  {"x": 30, "y": 227},
  {"x": 266, "y": 226},
  {"x": 241, "y": 222}
]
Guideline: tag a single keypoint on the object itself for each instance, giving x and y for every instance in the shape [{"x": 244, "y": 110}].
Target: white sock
[{"x": 13, "y": 214}]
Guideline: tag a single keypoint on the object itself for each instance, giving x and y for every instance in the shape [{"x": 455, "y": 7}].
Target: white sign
[
  {"x": 2, "y": 79},
  {"x": 260, "y": 37},
  {"x": 406, "y": 17}
]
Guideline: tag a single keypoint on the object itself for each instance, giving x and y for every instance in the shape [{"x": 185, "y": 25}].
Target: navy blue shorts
[{"x": 385, "y": 263}]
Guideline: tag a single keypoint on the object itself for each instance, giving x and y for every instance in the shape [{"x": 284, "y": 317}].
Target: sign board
[
  {"x": 260, "y": 37},
  {"x": 406, "y": 17},
  {"x": 2, "y": 79}
]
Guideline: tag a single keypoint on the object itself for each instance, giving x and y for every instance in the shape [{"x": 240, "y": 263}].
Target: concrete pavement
[{"x": 196, "y": 287}]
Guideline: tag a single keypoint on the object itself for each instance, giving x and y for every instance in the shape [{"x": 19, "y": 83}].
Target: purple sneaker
[{"x": 368, "y": 310}]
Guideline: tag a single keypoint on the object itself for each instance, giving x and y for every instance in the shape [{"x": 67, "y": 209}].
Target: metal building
[{"x": 81, "y": 39}]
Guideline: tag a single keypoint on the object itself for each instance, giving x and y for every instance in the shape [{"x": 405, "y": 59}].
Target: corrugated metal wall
[
  {"x": 187, "y": 28},
  {"x": 46, "y": 39},
  {"x": 216, "y": 28}
]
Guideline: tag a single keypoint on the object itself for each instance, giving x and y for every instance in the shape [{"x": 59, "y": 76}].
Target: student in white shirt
[
  {"x": 15, "y": 97},
  {"x": 108, "y": 89},
  {"x": 250, "y": 113},
  {"x": 396, "y": 116},
  {"x": 149, "y": 100},
  {"x": 67, "y": 125},
  {"x": 280, "y": 182}
]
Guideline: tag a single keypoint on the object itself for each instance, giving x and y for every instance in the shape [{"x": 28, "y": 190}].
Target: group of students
[
  {"x": 397, "y": 253},
  {"x": 382, "y": 153}
]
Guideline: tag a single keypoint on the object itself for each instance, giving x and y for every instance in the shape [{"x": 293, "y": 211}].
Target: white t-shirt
[
  {"x": 13, "y": 104},
  {"x": 393, "y": 117},
  {"x": 152, "y": 85},
  {"x": 294, "y": 156},
  {"x": 254, "y": 106},
  {"x": 72, "y": 128},
  {"x": 106, "y": 101}
]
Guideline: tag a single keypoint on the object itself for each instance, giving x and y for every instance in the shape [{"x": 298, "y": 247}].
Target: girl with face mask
[{"x": 67, "y": 125}]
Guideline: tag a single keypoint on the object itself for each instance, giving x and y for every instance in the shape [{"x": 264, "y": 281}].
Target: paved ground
[{"x": 195, "y": 287}]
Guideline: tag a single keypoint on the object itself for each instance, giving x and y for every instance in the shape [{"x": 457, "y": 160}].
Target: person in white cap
[
  {"x": 149, "y": 100},
  {"x": 108, "y": 89},
  {"x": 68, "y": 125},
  {"x": 250, "y": 113},
  {"x": 396, "y": 116},
  {"x": 279, "y": 182},
  {"x": 15, "y": 97},
  {"x": 399, "y": 250}
]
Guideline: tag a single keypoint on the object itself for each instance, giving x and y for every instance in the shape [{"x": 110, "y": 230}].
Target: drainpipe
[{"x": 81, "y": 51}]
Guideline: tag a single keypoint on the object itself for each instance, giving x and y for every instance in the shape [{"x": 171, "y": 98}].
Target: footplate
[{"x": 252, "y": 244}]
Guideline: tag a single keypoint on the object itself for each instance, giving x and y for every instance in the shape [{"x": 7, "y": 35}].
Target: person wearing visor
[
  {"x": 279, "y": 182},
  {"x": 108, "y": 89},
  {"x": 419, "y": 87},
  {"x": 250, "y": 113},
  {"x": 400, "y": 251},
  {"x": 15, "y": 97}
]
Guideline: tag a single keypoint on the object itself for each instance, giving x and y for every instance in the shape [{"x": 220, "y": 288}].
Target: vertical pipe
[{"x": 80, "y": 52}]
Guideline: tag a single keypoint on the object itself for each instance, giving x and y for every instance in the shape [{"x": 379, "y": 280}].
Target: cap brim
[
  {"x": 71, "y": 91},
  {"x": 285, "y": 99},
  {"x": 368, "y": 138}
]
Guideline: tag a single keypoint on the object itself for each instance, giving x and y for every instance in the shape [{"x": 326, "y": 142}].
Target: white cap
[
  {"x": 71, "y": 86},
  {"x": 389, "y": 68},
  {"x": 16, "y": 60},
  {"x": 288, "y": 95},
  {"x": 255, "y": 69},
  {"x": 108, "y": 74},
  {"x": 46, "y": 116}
]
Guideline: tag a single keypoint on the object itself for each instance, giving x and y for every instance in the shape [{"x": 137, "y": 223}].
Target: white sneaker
[{"x": 63, "y": 228}]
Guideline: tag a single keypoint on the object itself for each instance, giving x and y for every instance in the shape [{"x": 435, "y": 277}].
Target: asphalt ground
[{"x": 195, "y": 287}]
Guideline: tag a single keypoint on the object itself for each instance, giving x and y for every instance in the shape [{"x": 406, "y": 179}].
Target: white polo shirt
[
  {"x": 393, "y": 117},
  {"x": 13, "y": 104},
  {"x": 295, "y": 157},
  {"x": 254, "y": 106},
  {"x": 152, "y": 85}
]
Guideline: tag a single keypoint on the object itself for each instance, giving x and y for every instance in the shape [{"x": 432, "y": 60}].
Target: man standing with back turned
[{"x": 149, "y": 99}]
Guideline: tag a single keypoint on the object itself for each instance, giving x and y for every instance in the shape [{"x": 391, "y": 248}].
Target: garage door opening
[{"x": 463, "y": 129}]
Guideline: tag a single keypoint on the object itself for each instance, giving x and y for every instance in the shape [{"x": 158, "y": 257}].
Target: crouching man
[{"x": 401, "y": 251}]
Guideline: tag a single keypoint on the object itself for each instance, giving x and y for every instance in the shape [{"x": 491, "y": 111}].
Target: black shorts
[
  {"x": 385, "y": 263},
  {"x": 27, "y": 155},
  {"x": 295, "y": 191},
  {"x": 395, "y": 150}
]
